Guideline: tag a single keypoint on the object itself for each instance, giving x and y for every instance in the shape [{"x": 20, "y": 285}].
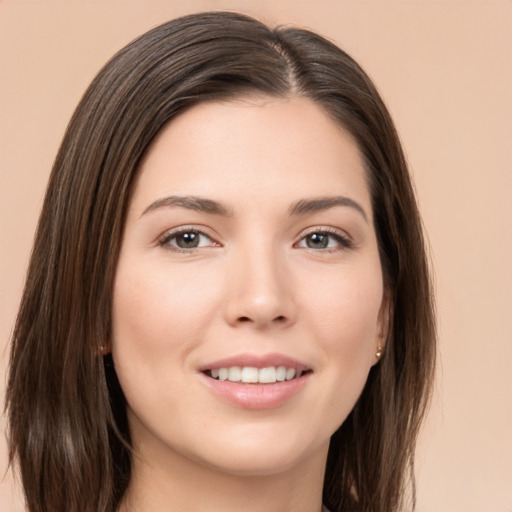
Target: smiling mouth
[{"x": 253, "y": 375}]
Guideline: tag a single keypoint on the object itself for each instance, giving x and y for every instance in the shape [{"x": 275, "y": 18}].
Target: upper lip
[{"x": 257, "y": 361}]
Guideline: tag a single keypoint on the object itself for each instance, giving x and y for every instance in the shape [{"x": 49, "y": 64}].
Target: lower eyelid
[
  {"x": 166, "y": 238},
  {"x": 344, "y": 240}
]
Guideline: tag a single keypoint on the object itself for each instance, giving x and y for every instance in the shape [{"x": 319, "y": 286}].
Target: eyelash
[
  {"x": 342, "y": 240},
  {"x": 165, "y": 240}
]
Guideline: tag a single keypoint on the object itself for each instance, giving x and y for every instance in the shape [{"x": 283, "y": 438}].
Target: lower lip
[{"x": 256, "y": 396}]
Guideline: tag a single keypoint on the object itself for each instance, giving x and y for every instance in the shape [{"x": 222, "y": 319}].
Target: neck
[{"x": 174, "y": 482}]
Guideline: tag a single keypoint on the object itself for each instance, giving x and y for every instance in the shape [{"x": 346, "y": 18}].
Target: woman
[{"x": 228, "y": 304}]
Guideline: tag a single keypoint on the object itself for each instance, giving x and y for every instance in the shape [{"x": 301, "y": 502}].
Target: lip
[
  {"x": 257, "y": 361},
  {"x": 256, "y": 396}
]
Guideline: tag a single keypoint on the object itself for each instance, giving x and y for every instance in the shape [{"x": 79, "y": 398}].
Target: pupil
[
  {"x": 187, "y": 240},
  {"x": 317, "y": 241}
]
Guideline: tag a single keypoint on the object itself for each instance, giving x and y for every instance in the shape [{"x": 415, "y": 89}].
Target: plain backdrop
[{"x": 445, "y": 70}]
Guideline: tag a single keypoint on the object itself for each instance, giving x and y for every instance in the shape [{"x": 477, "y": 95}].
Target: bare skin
[{"x": 249, "y": 239}]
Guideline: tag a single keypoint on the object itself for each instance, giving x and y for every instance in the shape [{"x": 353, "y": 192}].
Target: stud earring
[
  {"x": 103, "y": 350},
  {"x": 378, "y": 354}
]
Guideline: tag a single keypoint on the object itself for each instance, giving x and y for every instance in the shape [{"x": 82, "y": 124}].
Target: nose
[{"x": 260, "y": 290}]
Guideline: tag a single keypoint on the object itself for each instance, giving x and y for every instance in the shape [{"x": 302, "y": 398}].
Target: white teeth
[
  {"x": 268, "y": 375},
  {"x": 290, "y": 373},
  {"x": 234, "y": 373},
  {"x": 281, "y": 373},
  {"x": 253, "y": 375},
  {"x": 250, "y": 374}
]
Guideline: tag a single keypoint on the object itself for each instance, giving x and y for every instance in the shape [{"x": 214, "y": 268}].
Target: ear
[
  {"x": 104, "y": 349},
  {"x": 383, "y": 324}
]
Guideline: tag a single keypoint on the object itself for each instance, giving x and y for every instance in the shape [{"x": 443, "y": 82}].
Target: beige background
[{"x": 444, "y": 68}]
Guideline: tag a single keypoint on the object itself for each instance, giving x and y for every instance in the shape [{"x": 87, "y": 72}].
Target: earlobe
[
  {"x": 381, "y": 344},
  {"x": 103, "y": 350},
  {"x": 383, "y": 327}
]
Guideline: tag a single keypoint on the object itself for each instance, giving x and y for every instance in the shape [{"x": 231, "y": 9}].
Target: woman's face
[{"x": 249, "y": 256}]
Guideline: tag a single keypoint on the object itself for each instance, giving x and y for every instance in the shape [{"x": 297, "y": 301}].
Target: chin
[
  {"x": 260, "y": 453},
  {"x": 257, "y": 462}
]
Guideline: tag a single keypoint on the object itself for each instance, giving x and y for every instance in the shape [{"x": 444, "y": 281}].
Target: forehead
[{"x": 253, "y": 148}]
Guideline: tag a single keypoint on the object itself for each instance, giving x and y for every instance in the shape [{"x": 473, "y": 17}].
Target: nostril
[{"x": 279, "y": 319}]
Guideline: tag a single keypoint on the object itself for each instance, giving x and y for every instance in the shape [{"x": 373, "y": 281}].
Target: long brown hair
[{"x": 66, "y": 411}]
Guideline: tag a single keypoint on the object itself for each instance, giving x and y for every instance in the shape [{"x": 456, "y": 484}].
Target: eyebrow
[
  {"x": 301, "y": 207},
  {"x": 319, "y": 204},
  {"x": 199, "y": 204}
]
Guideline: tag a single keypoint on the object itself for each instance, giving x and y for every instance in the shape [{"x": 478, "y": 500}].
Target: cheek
[
  {"x": 344, "y": 315},
  {"x": 345, "y": 307},
  {"x": 158, "y": 318},
  {"x": 153, "y": 306}
]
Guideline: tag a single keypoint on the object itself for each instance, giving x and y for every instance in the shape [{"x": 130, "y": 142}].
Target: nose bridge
[{"x": 260, "y": 289}]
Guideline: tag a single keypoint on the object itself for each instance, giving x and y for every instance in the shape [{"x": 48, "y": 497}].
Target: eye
[
  {"x": 186, "y": 239},
  {"x": 325, "y": 239}
]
